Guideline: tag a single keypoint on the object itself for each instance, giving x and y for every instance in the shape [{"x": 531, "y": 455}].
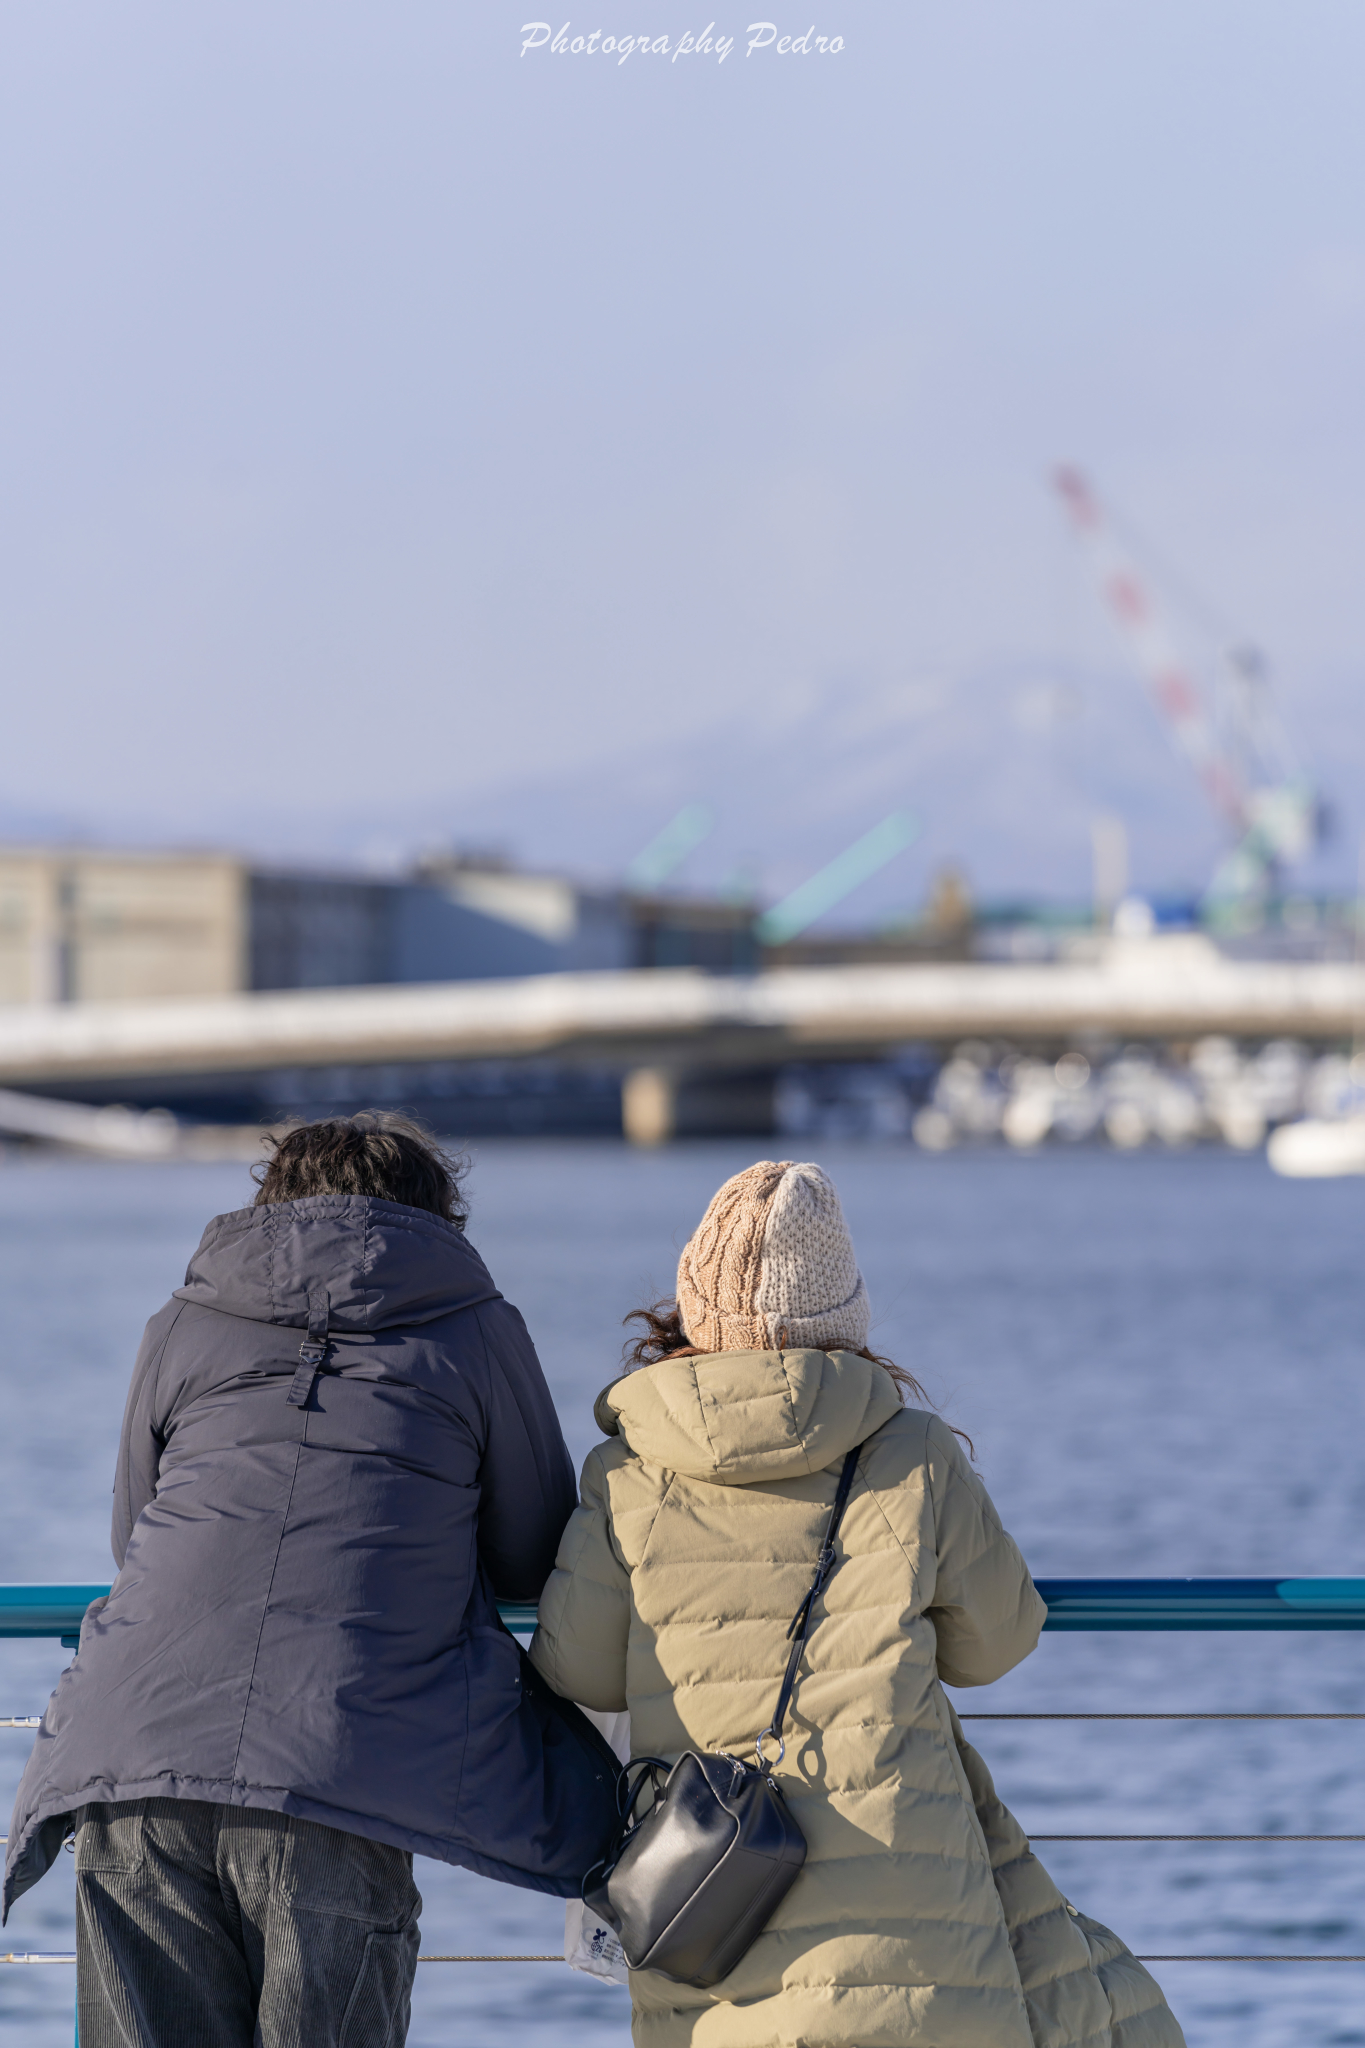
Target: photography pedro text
[{"x": 762, "y": 35}]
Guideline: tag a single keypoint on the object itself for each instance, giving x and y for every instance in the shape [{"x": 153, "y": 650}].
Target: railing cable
[
  {"x": 36, "y": 1720},
  {"x": 1184, "y": 1956}
]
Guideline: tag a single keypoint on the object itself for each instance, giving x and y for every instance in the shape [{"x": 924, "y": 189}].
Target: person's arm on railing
[
  {"x": 526, "y": 1490},
  {"x": 141, "y": 1441},
  {"x": 985, "y": 1608},
  {"x": 580, "y": 1645}
]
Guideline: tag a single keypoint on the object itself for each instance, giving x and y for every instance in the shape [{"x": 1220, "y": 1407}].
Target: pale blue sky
[{"x": 406, "y": 439}]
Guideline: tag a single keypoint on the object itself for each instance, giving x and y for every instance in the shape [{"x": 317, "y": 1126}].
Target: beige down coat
[{"x": 920, "y": 1915}]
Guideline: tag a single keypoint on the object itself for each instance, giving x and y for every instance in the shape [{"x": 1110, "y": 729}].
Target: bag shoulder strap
[{"x": 803, "y": 1619}]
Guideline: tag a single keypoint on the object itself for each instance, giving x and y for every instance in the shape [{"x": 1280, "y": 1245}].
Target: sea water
[{"x": 1159, "y": 1360}]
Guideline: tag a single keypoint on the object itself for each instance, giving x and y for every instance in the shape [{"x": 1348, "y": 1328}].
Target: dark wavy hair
[
  {"x": 665, "y": 1337},
  {"x": 376, "y": 1152}
]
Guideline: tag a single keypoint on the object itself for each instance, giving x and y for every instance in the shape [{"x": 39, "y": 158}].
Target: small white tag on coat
[{"x": 589, "y": 1944}]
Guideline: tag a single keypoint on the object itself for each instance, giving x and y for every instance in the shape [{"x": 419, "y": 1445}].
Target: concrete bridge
[{"x": 673, "y": 1028}]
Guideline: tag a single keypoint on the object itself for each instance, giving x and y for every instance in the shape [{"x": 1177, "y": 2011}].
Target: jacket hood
[
  {"x": 736, "y": 1417},
  {"x": 382, "y": 1264}
]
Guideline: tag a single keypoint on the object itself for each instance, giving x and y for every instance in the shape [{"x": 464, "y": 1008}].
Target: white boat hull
[{"x": 1315, "y": 1149}]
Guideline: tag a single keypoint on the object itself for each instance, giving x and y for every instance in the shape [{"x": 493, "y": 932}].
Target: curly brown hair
[
  {"x": 665, "y": 1337},
  {"x": 376, "y": 1152}
]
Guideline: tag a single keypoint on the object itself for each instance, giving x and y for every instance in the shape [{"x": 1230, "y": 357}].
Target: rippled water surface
[{"x": 1159, "y": 1358}]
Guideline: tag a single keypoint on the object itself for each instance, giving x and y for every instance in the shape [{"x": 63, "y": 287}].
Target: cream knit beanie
[{"x": 770, "y": 1263}]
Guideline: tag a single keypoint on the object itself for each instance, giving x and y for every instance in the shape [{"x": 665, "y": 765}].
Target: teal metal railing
[
  {"x": 1071, "y": 1604},
  {"x": 1203, "y": 1603}
]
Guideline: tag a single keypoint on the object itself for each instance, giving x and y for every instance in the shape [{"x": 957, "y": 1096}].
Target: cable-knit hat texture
[{"x": 772, "y": 1261}]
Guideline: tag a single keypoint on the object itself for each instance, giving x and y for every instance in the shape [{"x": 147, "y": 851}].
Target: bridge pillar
[{"x": 659, "y": 1104}]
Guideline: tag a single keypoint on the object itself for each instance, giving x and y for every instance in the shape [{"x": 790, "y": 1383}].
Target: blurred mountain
[{"x": 1005, "y": 767}]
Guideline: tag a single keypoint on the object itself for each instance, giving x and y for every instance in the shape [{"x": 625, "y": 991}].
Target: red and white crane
[{"x": 1238, "y": 750}]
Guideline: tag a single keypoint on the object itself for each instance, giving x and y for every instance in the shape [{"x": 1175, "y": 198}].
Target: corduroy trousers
[{"x": 203, "y": 1926}]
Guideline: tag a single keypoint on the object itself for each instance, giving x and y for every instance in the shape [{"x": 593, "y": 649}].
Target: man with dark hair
[{"x": 338, "y": 1452}]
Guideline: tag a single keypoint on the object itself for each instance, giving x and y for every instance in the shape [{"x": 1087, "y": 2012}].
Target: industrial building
[
  {"x": 77, "y": 925},
  {"x": 87, "y": 924}
]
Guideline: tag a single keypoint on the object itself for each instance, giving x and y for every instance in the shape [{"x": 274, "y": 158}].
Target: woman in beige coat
[{"x": 920, "y": 1915}]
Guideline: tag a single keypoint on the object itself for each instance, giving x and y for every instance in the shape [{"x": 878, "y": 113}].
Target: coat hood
[
  {"x": 737, "y": 1417},
  {"x": 382, "y": 1264}
]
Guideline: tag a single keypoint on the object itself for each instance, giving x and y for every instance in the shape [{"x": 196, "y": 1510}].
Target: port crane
[{"x": 1237, "y": 746}]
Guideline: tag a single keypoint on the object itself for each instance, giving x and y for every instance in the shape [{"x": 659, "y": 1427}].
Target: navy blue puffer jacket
[{"x": 304, "y": 1616}]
